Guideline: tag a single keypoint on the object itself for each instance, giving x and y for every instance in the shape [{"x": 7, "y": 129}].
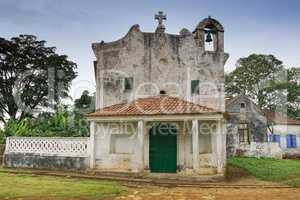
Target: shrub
[
  {"x": 2, "y": 137},
  {"x": 62, "y": 123},
  {"x": 17, "y": 128}
]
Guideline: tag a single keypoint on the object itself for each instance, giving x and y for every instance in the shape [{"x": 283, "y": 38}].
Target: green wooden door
[{"x": 163, "y": 149}]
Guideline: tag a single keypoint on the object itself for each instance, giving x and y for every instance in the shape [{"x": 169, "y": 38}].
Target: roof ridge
[{"x": 158, "y": 104}]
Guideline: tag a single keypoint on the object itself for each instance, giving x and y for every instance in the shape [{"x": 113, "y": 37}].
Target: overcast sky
[{"x": 251, "y": 26}]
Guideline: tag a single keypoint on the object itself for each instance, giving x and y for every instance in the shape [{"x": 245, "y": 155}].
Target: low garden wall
[
  {"x": 291, "y": 153},
  {"x": 266, "y": 150},
  {"x": 2, "y": 148},
  {"x": 47, "y": 153}
]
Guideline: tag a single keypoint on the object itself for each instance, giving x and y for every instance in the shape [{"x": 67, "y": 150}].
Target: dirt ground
[
  {"x": 201, "y": 194},
  {"x": 215, "y": 194},
  {"x": 237, "y": 189}
]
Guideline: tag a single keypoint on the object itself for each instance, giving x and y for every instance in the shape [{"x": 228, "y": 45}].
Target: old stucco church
[{"x": 160, "y": 101}]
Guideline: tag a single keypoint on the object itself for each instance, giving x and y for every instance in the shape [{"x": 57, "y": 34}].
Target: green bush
[
  {"x": 17, "y": 128},
  {"x": 62, "y": 123},
  {"x": 2, "y": 137}
]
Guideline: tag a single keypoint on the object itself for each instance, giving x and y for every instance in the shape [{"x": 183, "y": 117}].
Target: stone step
[
  {"x": 138, "y": 182},
  {"x": 123, "y": 174},
  {"x": 165, "y": 177}
]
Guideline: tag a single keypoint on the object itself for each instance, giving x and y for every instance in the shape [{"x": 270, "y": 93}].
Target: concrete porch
[{"x": 190, "y": 160}]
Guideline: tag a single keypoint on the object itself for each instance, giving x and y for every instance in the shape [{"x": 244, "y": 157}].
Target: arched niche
[{"x": 210, "y": 30}]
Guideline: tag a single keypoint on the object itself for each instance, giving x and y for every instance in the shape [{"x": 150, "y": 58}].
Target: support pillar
[
  {"x": 195, "y": 143},
  {"x": 92, "y": 144},
  {"x": 140, "y": 144},
  {"x": 220, "y": 146}
]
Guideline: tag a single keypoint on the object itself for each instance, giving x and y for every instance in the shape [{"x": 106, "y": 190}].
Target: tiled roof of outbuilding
[{"x": 281, "y": 118}]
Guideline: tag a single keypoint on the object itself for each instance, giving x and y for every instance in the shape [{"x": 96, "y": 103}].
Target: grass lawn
[
  {"x": 16, "y": 185},
  {"x": 283, "y": 171}
]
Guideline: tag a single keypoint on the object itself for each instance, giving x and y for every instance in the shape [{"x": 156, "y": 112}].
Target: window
[
  {"x": 243, "y": 133},
  {"x": 291, "y": 141},
  {"x": 276, "y": 139},
  {"x": 128, "y": 83},
  {"x": 243, "y": 105},
  {"x": 121, "y": 144},
  {"x": 195, "y": 87},
  {"x": 204, "y": 143}
]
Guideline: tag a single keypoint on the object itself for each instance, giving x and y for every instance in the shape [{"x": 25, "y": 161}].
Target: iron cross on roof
[{"x": 160, "y": 17}]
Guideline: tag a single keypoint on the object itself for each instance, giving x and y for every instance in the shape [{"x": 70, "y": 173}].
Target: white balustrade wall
[{"x": 54, "y": 146}]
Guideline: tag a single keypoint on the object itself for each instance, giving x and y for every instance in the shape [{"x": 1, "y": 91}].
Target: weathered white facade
[
  {"x": 246, "y": 124},
  {"x": 137, "y": 68},
  {"x": 162, "y": 62},
  {"x": 252, "y": 132},
  {"x": 283, "y": 130},
  {"x": 201, "y": 152}
]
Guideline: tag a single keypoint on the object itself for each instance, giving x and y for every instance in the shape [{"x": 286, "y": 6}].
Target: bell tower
[{"x": 209, "y": 32}]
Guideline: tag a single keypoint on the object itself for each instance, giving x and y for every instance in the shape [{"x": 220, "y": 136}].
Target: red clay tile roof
[
  {"x": 156, "y": 105},
  {"x": 281, "y": 118}
]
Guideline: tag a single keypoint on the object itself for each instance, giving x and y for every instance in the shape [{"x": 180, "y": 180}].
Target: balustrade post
[
  {"x": 6, "y": 146},
  {"x": 92, "y": 144}
]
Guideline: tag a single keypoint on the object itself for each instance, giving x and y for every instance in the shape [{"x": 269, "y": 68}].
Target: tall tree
[
  {"x": 293, "y": 88},
  {"x": 32, "y": 75},
  {"x": 86, "y": 102},
  {"x": 264, "y": 79},
  {"x": 254, "y": 77}
]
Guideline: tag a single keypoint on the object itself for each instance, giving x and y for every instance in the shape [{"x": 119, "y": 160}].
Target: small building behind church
[
  {"x": 253, "y": 132},
  {"x": 285, "y": 131},
  {"x": 246, "y": 124},
  {"x": 160, "y": 101}
]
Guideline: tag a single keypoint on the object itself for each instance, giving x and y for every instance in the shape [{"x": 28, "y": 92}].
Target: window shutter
[
  {"x": 291, "y": 141},
  {"x": 195, "y": 87},
  {"x": 288, "y": 141},
  {"x": 128, "y": 83},
  {"x": 276, "y": 138},
  {"x": 294, "y": 141}
]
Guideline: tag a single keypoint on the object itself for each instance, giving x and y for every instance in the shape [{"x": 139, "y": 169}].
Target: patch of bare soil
[
  {"x": 236, "y": 187},
  {"x": 215, "y": 194},
  {"x": 51, "y": 198},
  {"x": 238, "y": 176},
  {"x": 234, "y": 173}
]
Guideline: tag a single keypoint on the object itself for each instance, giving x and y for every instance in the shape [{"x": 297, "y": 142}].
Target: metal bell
[{"x": 208, "y": 37}]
